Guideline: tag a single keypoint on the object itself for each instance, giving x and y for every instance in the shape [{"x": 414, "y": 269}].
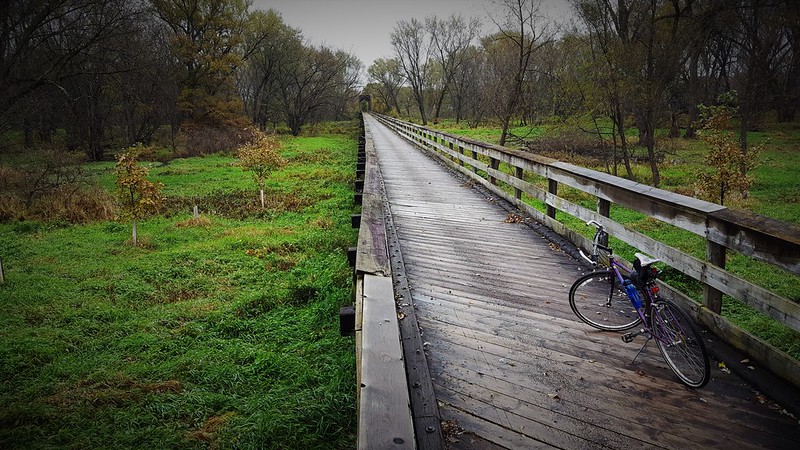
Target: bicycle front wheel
[
  {"x": 598, "y": 299},
  {"x": 681, "y": 344}
]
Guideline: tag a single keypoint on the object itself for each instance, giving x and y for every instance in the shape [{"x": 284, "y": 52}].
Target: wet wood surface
[{"x": 512, "y": 367}]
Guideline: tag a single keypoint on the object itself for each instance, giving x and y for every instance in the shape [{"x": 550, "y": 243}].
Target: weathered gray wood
[
  {"x": 712, "y": 298},
  {"x": 552, "y": 189},
  {"x": 604, "y": 209},
  {"x": 760, "y": 237},
  {"x": 384, "y": 419},
  {"x": 371, "y": 254},
  {"x": 424, "y": 408},
  {"x": 384, "y": 411},
  {"x": 486, "y": 290},
  {"x": 763, "y": 238},
  {"x": 359, "y": 302},
  {"x": 519, "y": 173},
  {"x": 765, "y": 301}
]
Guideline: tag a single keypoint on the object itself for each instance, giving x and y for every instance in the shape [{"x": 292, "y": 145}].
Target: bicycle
[{"x": 609, "y": 301}]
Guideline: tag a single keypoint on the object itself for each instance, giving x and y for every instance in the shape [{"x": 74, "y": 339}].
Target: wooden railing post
[
  {"x": 494, "y": 164},
  {"x": 519, "y": 173},
  {"x": 604, "y": 209},
  {"x": 552, "y": 187},
  {"x": 712, "y": 298},
  {"x": 461, "y": 152},
  {"x": 474, "y": 158}
]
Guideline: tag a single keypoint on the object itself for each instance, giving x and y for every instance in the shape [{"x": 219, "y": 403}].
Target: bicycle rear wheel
[
  {"x": 681, "y": 344},
  {"x": 598, "y": 299}
]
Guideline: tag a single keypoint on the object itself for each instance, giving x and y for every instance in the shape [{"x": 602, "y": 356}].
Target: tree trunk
[
  {"x": 674, "y": 129},
  {"x": 623, "y": 142},
  {"x": 504, "y": 134},
  {"x": 135, "y": 234},
  {"x": 28, "y": 133},
  {"x": 651, "y": 154},
  {"x": 743, "y": 144},
  {"x": 261, "y": 194},
  {"x": 396, "y": 106},
  {"x": 439, "y": 106},
  {"x": 642, "y": 123},
  {"x": 419, "y": 96},
  {"x": 694, "y": 95},
  {"x": 649, "y": 136}
]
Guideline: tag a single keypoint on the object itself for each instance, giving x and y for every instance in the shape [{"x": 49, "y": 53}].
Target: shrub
[
  {"x": 52, "y": 187},
  {"x": 203, "y": 138},
  {"x": 138, "y": 196},
  {"x": 730, "y": 164},
  {"x": 261, "y": 157}
]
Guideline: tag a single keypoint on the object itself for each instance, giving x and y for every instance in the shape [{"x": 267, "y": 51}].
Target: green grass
[{"x": 220, "y": 333}]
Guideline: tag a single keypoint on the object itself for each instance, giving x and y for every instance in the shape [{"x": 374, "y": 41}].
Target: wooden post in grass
[
  {"x": 195, "y": 212},
  {"x": 2, "y": 272}
]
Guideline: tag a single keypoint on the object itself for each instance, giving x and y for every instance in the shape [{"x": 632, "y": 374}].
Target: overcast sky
[{"x": 362, "y": 27}]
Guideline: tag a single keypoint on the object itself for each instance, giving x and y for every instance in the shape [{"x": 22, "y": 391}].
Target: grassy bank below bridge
[{"x": 217, "y": 332}]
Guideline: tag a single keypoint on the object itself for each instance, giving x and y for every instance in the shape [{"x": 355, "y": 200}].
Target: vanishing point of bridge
[{"x": 509, "y": 364}]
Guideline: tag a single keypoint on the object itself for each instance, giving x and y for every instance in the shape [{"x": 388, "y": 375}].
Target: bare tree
[
  {"x": 526, "y": 30},
  {"x": 413, "y": 50},
  {"x": 386, "y": 73},
  {"x": 606, "y": 70},
  {"x": 467, "y": 86},
  {"x": 45, "y": 43},
  {"x": 787, "y": 86},
  {"x": 762, "y": 45},
  {"x": 270, "y": 44},
  {"x": 450, "y": 38},
  {"x": 314, "y": 80}
]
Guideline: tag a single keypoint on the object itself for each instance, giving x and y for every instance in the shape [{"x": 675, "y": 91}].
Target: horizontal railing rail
[{"x": 764, "y": 239}]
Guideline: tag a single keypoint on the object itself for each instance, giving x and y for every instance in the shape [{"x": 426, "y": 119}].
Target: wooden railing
[
  {"x": 761, "y": 238},
  {"x": 384, "y": 412}
]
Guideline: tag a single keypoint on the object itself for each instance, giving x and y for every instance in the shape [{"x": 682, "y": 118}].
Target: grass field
[{"x": 220, "y": 332}]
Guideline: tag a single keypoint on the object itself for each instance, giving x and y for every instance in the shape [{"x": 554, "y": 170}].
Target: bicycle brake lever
[{"x": 591, "y": 261}]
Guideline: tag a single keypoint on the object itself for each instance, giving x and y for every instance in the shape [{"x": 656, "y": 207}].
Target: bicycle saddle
[{"x": 646, "y": 260}]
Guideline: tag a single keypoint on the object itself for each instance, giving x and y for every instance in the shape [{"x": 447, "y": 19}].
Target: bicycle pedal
[{"x": 629, "y": 337}]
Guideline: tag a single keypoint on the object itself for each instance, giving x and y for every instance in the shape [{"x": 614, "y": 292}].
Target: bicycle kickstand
[
  {"x": 641, "y": 349},
  {"x": 629, "y": 337}
]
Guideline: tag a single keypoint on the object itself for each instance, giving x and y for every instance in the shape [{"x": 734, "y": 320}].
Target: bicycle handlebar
[{"x": 595, "y": 223}]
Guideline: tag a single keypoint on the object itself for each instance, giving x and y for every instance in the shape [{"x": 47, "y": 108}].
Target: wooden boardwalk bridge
[{"x": 508, "y": 363}]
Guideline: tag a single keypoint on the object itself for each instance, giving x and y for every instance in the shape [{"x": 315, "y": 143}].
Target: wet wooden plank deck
[{"x": 511, "y": 365}]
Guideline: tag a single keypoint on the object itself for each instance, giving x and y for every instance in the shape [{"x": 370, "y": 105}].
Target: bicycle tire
[
  {"x": 599, "y": 300},
  {"x": 681, "y": 344}
]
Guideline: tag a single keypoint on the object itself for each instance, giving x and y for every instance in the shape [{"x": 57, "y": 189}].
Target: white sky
[{"x": 362, "y": 27}]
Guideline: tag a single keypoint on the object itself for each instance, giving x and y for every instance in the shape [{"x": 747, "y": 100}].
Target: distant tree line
[
  {"x": 642, "y": 64},
  {"x": 111, "y": 73}
]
